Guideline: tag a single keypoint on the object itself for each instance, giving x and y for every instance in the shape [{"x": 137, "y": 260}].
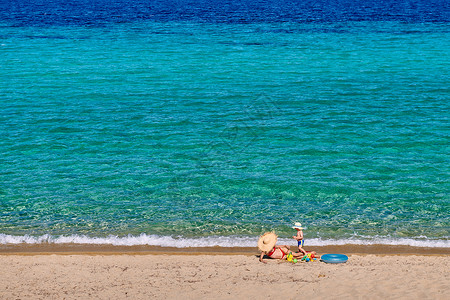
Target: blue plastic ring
[{"x": 334, "y": 258}]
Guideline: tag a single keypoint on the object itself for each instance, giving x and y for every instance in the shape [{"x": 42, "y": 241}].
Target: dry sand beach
[{"x": 219, "y": 275}]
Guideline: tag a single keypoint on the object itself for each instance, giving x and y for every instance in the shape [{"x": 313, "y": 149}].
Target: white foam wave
[
  {"x": 382, "y": 241},
  {"x": 212, "y": 241},
  {"x": 130, "y": 240}
]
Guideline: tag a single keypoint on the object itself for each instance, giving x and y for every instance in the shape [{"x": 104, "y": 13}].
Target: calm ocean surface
[{"x": 210, "y": 122}]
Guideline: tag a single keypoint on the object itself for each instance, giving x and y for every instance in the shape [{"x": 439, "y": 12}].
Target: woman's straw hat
[
  {"x": 297, "y": 225},
  {"x": 267, "y": 241}
]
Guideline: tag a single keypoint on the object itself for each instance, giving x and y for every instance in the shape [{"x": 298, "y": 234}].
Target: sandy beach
[{"x": 220, "y": 276}]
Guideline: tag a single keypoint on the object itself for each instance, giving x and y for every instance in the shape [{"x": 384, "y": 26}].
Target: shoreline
[{"x": 69, "y": 249}]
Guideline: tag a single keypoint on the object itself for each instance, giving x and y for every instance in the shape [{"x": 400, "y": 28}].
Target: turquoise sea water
[{"x": 174, "y": 132}]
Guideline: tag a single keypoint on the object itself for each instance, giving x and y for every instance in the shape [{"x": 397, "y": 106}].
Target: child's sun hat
[
  {"x": 297, "y": 225},
  {"x": 267, "y": 241}
]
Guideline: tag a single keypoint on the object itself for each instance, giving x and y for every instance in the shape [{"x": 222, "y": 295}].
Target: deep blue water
[
  {"x": 154, "y": 120},
  {"x": 102, "y": 12}
]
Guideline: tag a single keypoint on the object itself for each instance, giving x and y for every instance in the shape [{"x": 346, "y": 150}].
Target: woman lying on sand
[{"x": 266, "y": 245}]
